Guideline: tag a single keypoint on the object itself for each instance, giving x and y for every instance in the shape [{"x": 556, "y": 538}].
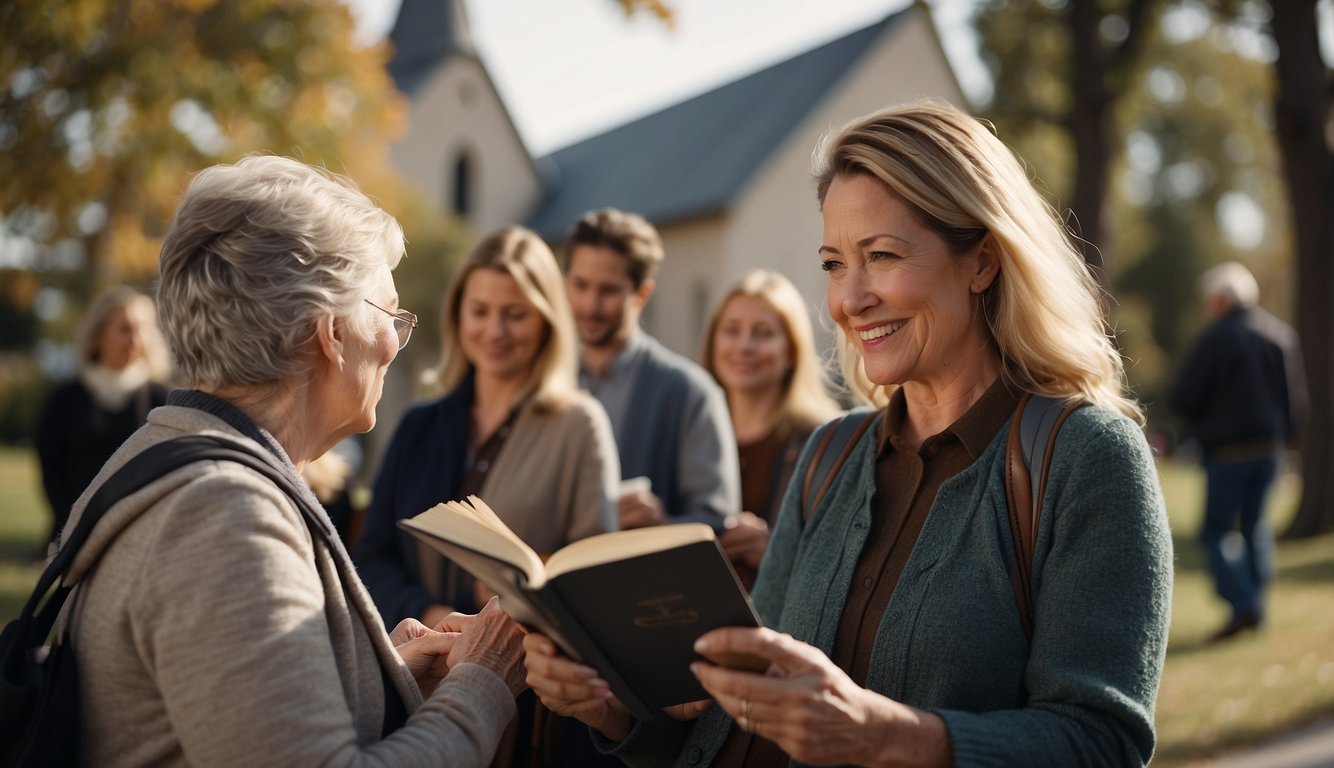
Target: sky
[{"x": 570, "y": 69}]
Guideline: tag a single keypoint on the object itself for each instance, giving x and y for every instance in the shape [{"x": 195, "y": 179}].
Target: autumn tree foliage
[{"x": 108, "y": 106}]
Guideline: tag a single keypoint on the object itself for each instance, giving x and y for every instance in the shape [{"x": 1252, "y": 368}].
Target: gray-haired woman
[{"x": 216, "y": 628}]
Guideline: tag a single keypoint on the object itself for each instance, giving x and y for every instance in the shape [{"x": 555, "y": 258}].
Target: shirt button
[
  {"x": 695, "y": 754},
  {"x": 869, "y": 582}
]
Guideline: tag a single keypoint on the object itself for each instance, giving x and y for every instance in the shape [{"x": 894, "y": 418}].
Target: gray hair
[
  {"x": 1233, "y": 281},
  {"x": 257, "y": 253}
]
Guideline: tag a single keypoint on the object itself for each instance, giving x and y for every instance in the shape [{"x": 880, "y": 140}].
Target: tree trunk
[
  {"x": 1302, "y": 112},
  {"x": 1090, "y": 132}
]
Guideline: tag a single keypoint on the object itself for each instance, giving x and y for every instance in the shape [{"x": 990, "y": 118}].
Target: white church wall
[
  {"x": 458, "y": 111},
  {"x": 776, "y": 222}
]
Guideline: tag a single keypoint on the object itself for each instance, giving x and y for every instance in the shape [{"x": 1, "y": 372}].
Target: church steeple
[{"x": 425, "y": 34}]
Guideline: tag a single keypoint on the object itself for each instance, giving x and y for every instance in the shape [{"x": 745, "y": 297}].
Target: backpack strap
[
  {"x": 152, "y": 463},
  {"x": 1037, "y": 420},
  {"x": 39, "y": 683},
  {"x": 837, "y": 439}
]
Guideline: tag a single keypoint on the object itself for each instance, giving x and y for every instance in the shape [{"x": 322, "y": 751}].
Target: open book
[{"x": 630, "y": 604}]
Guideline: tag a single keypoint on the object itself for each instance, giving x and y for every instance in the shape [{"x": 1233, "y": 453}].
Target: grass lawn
[
  {"x": 1212, "y": 699},
  {"x": 1258, "y": 685},
  {"x": 24, "y": 521}
]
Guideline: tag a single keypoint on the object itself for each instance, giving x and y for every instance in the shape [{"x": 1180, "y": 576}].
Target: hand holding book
[{"x": 629, "y": 604}]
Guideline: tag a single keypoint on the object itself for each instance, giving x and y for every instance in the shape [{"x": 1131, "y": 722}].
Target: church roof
[
  {"x": 425, "y": 33},
  {"x": 694, "y": 158}
]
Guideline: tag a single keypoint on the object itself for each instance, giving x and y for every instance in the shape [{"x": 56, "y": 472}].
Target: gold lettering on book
[{"x": 665, "y": 614}]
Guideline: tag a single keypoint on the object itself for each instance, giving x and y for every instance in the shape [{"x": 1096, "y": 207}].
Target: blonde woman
[
  {"x": 512, "y": 428},
  {"x": 123, "y": 363},
  {"x": 891, "y": 619},
  {"x": 761, "y": 350}
]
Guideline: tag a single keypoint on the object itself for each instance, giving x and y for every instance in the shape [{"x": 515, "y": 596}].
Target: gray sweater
[
  {"x": 672, "y": 425},
  {"x": 215, "y": 630},
  {"x": 951, "y": 640}
]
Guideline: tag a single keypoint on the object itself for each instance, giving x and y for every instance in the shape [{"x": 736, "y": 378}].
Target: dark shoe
[{"x": 1237, "y": 625}]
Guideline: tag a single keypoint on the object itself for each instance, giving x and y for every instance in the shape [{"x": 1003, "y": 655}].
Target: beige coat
[
  {"x": 216, "y": 631},
  {"x": 555, "y": 480}
]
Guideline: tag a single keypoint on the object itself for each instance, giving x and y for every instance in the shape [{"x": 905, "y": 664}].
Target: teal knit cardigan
[{"x": 951, "y": 641}]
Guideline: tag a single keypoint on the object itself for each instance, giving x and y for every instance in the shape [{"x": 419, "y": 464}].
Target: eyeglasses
[{"x": 404, "y": 322}]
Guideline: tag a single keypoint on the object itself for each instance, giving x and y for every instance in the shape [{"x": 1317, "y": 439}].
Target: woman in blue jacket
[{"x": 892, "y": 633}]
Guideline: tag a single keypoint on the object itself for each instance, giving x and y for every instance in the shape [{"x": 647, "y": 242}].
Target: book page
[
  {"x": 624, "y": 545},
  {"x": 475, "y": 526}
]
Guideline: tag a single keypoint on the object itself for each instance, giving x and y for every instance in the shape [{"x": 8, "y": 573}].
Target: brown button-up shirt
[{"x": 906, "y": 483}]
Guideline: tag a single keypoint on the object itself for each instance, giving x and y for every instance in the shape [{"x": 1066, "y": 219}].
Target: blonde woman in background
[
  {"x": 513, "y": 429},
  {"x": 123, "y": 363},
  {"x": 761, "y": 350}
]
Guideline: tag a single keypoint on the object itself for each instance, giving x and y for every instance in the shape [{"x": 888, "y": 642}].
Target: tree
[
  {"x": 107, "y": 107},
  {"x": 1301, "y": 111},
  {"x": 1052, "y": 86},
  {"x": 1066, "y": 64},
  {"x": 1199, "y": 167},
  {"x": 1173, "y": 146},
  {"x": 663, "y": 10}
]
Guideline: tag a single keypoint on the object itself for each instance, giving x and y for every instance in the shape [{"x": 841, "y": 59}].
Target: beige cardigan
[
  {"x": 215, "y": 630},
  {"x": 555, "y": 480}
]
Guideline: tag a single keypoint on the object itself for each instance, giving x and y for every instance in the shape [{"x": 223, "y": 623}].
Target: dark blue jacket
[
  {"x": 1242, "y": 382},
  {"x": 423, "y": 466}
]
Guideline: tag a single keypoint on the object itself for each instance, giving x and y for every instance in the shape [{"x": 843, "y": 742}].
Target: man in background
[
  {"x": 670, "y": 419},
  {"x": 1242, "y": 390}
]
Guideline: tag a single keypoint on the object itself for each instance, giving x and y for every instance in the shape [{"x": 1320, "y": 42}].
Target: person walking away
[{"x": 1242, "y": 391}]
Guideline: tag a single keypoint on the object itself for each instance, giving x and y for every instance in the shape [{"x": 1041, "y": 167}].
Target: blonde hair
[
  {"x": 1044, "y": 310},
  {"x": 94, "y": 322},
  {"x": 806, "y": 402},
  {"x": 258, "y": 252},
  {"x": 524, "y": 256}
]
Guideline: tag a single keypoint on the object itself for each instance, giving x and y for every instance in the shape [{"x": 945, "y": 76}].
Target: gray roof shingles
[
  {"x": 423, "y": 36},
  {"x": 692, "y": 159}
]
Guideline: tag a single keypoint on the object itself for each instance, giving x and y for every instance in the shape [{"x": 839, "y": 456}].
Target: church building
[{"x": 725, "y": 175}]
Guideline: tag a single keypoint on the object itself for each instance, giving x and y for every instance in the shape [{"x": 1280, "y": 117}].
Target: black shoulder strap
[
  {"x": 1037, "y": 421},
  {"x": 836, "y": 441},
  {"x": 154, "y": 462}
]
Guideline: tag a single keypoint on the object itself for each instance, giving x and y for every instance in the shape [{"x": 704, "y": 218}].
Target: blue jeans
[{"x": 1234, "y": 501}]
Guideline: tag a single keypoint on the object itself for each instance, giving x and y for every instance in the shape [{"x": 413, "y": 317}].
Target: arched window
[{"x": 461, "y": 199}]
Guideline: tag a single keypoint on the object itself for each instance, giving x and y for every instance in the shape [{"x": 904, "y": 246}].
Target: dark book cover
[
  {"x": 646, "y": 613},
  {"x": 634, "y": 620}
]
